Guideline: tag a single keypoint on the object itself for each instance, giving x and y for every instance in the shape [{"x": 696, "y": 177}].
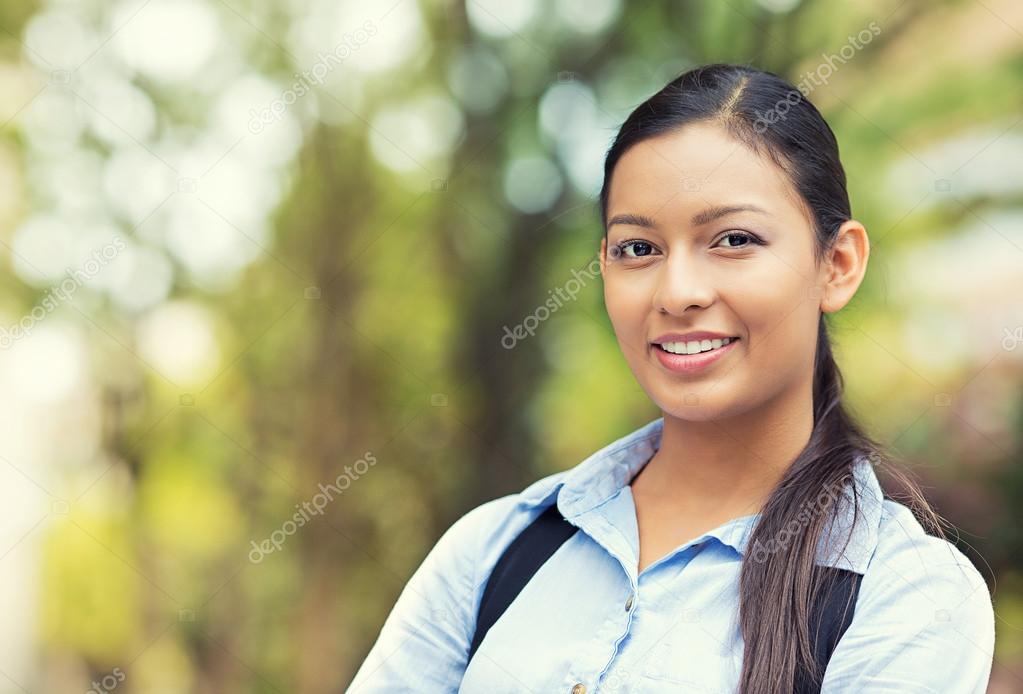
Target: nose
[{"x": 681, "y": 284}]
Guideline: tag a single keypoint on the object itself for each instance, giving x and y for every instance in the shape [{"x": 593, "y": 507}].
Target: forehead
[{"x": 698, "y": 164}]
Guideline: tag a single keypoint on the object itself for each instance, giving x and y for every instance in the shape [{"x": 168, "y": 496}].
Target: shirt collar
[{"x": 604, "y": 473}]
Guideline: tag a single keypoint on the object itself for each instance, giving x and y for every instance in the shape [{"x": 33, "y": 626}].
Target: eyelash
[{"x": 622, "y": 245}]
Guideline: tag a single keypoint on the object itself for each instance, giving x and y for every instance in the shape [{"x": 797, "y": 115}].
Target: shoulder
[
  {"x": 913, "y": 576},
  {"x": 923, "y": 621},
  {"x": 426, "y": 637},
  {"x": 476, "y": 539}
]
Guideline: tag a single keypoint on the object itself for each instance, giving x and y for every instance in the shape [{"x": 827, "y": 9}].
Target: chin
[
  {"x": 689, "y": 404},
  {"x": 694, "y": 403}
]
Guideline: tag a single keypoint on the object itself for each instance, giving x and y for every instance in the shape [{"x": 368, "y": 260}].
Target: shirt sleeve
[
  {"x": 424, "y": 642},
  {"x": 924, "y": 622}
]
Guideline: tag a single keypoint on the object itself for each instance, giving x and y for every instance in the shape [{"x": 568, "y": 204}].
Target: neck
[{"x": 728, "y": 467}]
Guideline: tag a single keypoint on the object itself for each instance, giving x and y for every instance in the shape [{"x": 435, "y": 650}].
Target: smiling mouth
[{"x": 695, "y": 347}]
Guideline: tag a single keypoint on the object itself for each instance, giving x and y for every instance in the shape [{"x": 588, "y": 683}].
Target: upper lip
[{"x": 691, "y": 337}]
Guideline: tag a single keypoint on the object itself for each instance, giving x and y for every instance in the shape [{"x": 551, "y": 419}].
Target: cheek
[
  {"x": 626, "y": 301},
  {"x": 628, "y": 308},
  {"x": 779, "y": 315}
]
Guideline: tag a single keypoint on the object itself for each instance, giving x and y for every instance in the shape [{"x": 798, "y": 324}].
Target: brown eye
[
  {"x": 741, "y": 236},
  {"x": 639, "y": 249}
]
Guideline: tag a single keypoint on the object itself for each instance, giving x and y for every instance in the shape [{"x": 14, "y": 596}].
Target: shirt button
[
  {"x": 628, "y": 604},
  {"x": 579, "y": 688}
]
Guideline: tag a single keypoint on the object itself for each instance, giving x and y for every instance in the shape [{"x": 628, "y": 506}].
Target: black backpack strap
[
  {"x": 830, "y": 616},
  {"x": 520, "y": 560}
]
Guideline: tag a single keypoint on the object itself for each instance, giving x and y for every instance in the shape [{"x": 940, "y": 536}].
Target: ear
[{"x": 844, "y": 266}]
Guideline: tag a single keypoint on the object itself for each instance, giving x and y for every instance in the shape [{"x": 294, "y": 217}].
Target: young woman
[{"x": 712, "y": 542}]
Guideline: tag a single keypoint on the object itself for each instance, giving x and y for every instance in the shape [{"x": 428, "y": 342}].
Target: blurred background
[{"x": 261, "y": 261}]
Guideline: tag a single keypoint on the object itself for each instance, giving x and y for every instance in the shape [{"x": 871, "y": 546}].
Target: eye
[
  {"x": 639, "y": 249},
  {"x": 742, "y": 235}
]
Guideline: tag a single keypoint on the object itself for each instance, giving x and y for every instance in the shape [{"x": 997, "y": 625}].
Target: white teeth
[{"x": 694, "y": 346}]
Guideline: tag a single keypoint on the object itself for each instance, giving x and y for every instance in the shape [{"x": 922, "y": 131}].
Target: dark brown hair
[{"x": 776, "y": 589}]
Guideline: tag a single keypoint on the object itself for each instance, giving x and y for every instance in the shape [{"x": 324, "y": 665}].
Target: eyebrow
[{"x": 699, "y": 219}]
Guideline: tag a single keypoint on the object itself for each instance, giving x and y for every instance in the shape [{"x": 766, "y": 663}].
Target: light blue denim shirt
[{"x": 587, "y": 623}]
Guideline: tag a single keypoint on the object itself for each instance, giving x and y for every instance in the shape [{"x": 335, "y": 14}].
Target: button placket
[{"x": 611, "y": 634}]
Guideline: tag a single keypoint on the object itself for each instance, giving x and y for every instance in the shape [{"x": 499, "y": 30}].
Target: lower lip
[{"x": 692, "y": 363}]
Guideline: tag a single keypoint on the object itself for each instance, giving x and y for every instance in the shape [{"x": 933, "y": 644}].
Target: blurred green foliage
[{"x": 336, "y": 278}]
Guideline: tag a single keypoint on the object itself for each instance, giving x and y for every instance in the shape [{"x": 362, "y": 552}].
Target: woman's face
[{"x": 693, "y": 265}]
